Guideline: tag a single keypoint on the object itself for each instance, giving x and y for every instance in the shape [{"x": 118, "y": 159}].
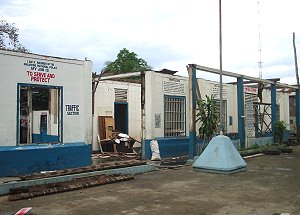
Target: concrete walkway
[{"x": 270, "y": 185}]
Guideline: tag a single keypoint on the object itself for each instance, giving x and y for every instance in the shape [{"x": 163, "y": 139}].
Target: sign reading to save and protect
[{"x": 40, "y": 71}]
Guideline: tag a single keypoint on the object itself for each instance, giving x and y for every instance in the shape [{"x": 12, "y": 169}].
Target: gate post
[{"x": 241, "y": 114}]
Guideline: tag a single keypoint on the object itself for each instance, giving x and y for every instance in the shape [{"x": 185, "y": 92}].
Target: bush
[{"x": 280, "y": 126}]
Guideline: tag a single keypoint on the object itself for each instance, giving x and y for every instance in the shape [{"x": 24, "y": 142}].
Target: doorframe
[
  {"x": 60, "y": 109},
  {"x": 126, "y": 113}
]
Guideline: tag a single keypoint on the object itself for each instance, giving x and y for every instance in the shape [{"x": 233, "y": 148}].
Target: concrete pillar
[
  {"x": 192, "y": 111},
  {"x": 241, "y": 111},
  {"x": 273, "y": 108}
]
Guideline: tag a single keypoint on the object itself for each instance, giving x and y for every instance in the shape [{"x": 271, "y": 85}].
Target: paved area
[{"x": 271, "y": 185}]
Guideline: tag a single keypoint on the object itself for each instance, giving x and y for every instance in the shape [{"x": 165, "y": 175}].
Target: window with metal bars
[{"x": 175, "y": 119}]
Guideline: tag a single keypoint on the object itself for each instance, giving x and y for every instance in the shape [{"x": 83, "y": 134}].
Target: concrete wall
[
  {"x": 43, "y": 157},
  {"x": 154, "y": 105},
  {"x": 104, "y": 106},
  {"x": 154, "y": 94},
  {"x": 229, "y": 94},
  {"x": 74, "y": 76},
  {"x": 177, "y": 146}
]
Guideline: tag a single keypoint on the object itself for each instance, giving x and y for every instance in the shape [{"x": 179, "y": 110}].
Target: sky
[{"x": 166, "y": 33}]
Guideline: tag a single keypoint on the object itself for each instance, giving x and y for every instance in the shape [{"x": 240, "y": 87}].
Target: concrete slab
[
  {"x": 5, "y": 187},
  {"x": 220, "y": 156}
]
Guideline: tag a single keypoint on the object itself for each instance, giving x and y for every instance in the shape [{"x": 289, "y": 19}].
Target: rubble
[
  {"x": 76, "y": 184},
  {"x": 120, "y": 142},
  {"x": 99, "y": 167}
]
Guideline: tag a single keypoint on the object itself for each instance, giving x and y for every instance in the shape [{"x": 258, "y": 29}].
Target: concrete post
[
  {"x": 143, "y": 133},
  {"x": 273, "y": 108},
  {"x": 192, "y": 110}
]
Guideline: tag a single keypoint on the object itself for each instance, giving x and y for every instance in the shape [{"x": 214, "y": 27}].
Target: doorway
[
  {"x": 121, "y": 117},
  {"x": 39, "y": 114}
]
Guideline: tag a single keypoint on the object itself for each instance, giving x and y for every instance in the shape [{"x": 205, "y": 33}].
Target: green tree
[
  {"x": 127, "y": 62},
  {"x": 9, "y": 37},
  {"x": 208, "y": 115}
]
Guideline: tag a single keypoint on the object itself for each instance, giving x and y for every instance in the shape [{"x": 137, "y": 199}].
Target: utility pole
[
  {"x": 221, "y": 72},
  {"x": 295, "y": 57},
  {"x": 297, "y": 91}
]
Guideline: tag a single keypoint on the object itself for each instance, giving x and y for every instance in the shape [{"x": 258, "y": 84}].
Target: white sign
[{"x": 251, "y": 90}]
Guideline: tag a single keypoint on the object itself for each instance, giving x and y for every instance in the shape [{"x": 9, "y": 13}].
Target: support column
[
  {"x": 273, "y": 108},
  {"x": 241, "y": 111},
  {"x": 298, "y": 113},
  {"x": 192, "y": 110},
  {"x": 143, "y": 127}
]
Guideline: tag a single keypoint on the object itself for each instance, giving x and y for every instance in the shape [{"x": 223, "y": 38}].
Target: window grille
[
  {"x": 120, "y": 95},
  {"x": 175, "y": 120}
]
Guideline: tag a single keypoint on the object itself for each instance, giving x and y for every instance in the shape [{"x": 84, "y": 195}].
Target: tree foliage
[
  {"x": 127, "y": 62},
  {"x": 208, "y": 115},
  {"x": 9, "y": 37},
  {"x": 280, "y": 126}
]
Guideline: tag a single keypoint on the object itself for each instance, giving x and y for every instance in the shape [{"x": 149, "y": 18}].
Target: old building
[{"x": 46, "y": 120}]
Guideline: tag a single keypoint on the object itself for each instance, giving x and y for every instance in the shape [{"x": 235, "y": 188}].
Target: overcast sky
[{"x": 166, "y": 33}]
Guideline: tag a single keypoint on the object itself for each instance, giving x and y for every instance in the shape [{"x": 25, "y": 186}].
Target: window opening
[
  {"x": 175, "y": 120},
  {"x": 39, "y": 114},
  {"x": 120, "y": 95}
]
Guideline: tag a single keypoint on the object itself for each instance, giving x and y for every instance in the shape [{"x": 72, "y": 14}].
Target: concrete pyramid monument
[{"x": 220, "y": 156}]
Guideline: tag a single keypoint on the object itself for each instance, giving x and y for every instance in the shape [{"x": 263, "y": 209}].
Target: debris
[
  {"x": 99, "y": 167},
  {"x": 23, "y": 211},
  {"x": 123, "y": 135},
  {"x": 287, "y": 150},
  {"x": 121, "y": 143},
  {"x": 76, "y": 184}
]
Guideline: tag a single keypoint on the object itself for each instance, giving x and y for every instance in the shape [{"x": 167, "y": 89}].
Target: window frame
[{"x": 179, "y": 119}]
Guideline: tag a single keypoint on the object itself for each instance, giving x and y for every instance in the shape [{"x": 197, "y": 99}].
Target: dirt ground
[{"x": 271, "y": 185}]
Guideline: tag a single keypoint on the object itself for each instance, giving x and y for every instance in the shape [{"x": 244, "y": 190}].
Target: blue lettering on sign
[{"x": 72, "y": 109}]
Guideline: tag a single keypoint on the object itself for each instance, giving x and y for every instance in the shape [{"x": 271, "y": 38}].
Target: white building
[
  {"x": 118, "y": 107},
  {"x": 44, "y": 100},
  {"x": 167, "y": 111}
]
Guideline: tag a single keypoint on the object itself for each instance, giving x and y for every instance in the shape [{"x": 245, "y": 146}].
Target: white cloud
[{"x": 168, "y": 34}]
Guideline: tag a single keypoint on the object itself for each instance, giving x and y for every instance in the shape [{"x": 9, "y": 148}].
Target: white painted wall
[
  {"x": 154, "y": 103},
  {"x": 229, "y": 94},
  {"x": 104, "y": 106},
  {"x": 73, "y": 75}
]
